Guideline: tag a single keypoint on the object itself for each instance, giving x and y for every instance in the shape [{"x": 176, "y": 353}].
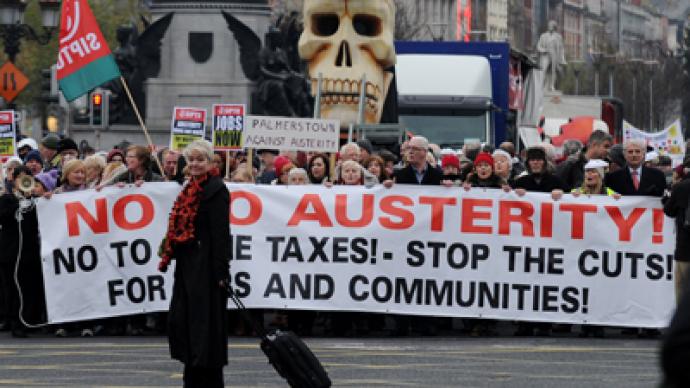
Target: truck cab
[
  {"x": 445, "y": 98},
  {"x": 453, "y": 92}
]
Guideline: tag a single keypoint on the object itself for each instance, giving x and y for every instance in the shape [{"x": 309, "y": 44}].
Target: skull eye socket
[
  {"x": 325, "y": 24},
  {"x": 367, "y": 25}
]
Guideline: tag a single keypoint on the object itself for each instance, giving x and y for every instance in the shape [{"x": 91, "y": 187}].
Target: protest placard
[
  {"x": 282, "y": 133},
  {"x": 228, "y": 126},
  {"x": 7, "y": 134},
  {"x": 669, "y": 142},
  {"x": 436, "y": 252},
  {"x": 188, "y": 124}
]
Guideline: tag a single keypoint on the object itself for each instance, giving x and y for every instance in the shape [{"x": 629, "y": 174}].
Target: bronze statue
[
  {"x": 282, "y": 88},
  {"x": 139, "y": 58}
]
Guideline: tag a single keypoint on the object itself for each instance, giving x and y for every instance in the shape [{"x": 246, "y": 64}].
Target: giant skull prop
[{"x": 344, "y": 40}]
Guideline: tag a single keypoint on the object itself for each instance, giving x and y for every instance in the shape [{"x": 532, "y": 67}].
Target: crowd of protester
[{"x": 61, "y": 166}]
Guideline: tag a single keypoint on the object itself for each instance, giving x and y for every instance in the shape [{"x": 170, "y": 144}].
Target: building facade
[
  {"x": 497, "y": 21},
  {"x": 447, "y": 20}
]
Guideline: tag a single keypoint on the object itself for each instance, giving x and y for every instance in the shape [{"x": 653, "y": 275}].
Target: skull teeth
[{"x": 339, "y": 91}]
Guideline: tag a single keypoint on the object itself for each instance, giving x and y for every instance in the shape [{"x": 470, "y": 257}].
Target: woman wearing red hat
[
  {"x": 283, "y": 165},
  {"x": 483, "y": 174},
  {"x": 450, "y": 164}
]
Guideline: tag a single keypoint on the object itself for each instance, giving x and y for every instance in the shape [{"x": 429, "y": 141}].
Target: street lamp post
[
  {"x": 596, "y": 63},
  {"x": 651, "y": 103},
  {"x": 652, "y": 65},
  {"x": 13, "y": 29}
]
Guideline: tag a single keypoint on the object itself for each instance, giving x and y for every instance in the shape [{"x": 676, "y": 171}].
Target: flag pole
[
  {"x": 227, "y": 164},
  {"x": 143, "y": 125}
]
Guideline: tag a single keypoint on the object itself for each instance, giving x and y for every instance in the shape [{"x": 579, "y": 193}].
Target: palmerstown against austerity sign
[{"x": 439, "y": 252}]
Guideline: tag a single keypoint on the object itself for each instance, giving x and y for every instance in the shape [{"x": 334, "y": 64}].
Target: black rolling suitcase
[{"x": 288, "y": 354}]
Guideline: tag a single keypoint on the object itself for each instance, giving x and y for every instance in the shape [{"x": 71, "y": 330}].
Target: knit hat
[
  {"x": 48, "y": 179},
  {"x": 537, "y": 153},
  {"x": 500, "y": 152},
  {"x": 50, "y": 142},
  {"x": 484, "y": 157},
  {"x": 280, "y": 162},
  {"x": 33, "y": 155},
  {"x": 450, "y": 160},
  {"x": 27, "y": 142},
  {"x": 67, "y": 144},
  {"x": 113, "y": 152},
  {"x": 597, "y": 164}
]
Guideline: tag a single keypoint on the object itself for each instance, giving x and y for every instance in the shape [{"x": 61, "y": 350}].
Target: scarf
[{"x": 182, "y": 217}]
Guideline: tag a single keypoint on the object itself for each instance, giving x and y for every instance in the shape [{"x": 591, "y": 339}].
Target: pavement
[{"x": 442, "y": 361}]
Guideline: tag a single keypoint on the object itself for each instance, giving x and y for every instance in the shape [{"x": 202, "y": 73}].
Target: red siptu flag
[{"x": 84, "y": 58}]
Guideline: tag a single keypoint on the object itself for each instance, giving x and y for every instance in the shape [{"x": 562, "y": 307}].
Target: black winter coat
[
  {"x": 674, "y": 207},
  {"x": 546, "y": 184},
  {"x": 30, "y": 270},
  {"x": 572, "y": 171},
  {"x": 675, "y": 350},
  {"x": 197, "y": 321},
  {"x": 494, "y": 181},
  {"x": 406, "y": 175},
  {"x": 128, "y": 177},
  {"x": 9, "y": 234},
  {"x": 652, "y": 182}
]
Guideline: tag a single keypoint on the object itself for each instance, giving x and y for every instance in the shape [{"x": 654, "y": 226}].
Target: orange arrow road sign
[{"x": 12, "y": 81}]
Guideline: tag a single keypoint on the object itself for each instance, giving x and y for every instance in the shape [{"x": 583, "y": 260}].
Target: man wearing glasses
[{"x": 418, "y": 171}]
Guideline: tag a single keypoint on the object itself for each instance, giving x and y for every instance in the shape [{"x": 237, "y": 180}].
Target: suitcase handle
[{"x": 245, "y": 314}]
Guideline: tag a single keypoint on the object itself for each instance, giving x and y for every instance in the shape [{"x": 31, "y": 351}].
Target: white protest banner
[
  {"x": 228, "y": 126},
  {"x": 669, "y": 142},
  {"x": 7, "y": 134},
  {"x": 99, "y": 251},
  {"x": 282, "y": 133},
  {"x": 188, "y": 124},
  {"x": 436, "y": 251}
]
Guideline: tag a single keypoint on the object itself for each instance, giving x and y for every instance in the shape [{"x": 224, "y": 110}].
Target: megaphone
[{"x": 26, "y": 185}]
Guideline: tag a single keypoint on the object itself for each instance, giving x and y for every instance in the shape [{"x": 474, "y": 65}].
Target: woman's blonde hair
[
  {"x": 111, "y": 169},
  {"x": 204, "y": 147},
  {"x": 94, "y": 161},
  {"x": 242, "y": 174},
  {"x": 70, "y": 167}
]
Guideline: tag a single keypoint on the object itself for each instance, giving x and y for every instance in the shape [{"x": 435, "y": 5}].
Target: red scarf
[{"x": 182, "y": 217}]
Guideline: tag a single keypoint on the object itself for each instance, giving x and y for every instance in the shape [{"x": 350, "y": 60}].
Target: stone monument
[
  {"x": 199, "y": 66},
  {"x": 200, "y": 60},
  {"x": 551, "y": 55}
]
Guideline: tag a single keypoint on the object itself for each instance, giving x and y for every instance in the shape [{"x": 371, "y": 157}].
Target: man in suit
[
  {"x": 418, "y": 171},
  {"x": 635, "y": 179}
]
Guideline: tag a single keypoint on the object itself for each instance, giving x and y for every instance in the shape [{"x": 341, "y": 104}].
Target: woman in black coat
[
  {"x": 675, "y": 206},
  {"x": 198, "y": 238},
  {"x": 30, "y": 274}
]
